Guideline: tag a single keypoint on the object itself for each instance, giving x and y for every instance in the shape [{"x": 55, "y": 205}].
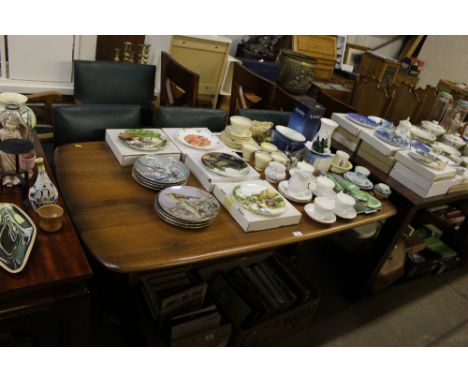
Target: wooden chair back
[
  {"x": 261, "y": 92},
  {"x": 428, "y": 96},
  {"x": 332, "y": 104},
  {"x": 179, "y": 85},
  {"x": 370, "y": 97},
  {"x": 283, "y": 100},
  {"x": 405, "y": 104}
]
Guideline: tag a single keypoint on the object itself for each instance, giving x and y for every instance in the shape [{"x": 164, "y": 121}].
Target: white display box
[
  {"x": 208, "y": 178},
  {"x": 426, "y": 172},
  {"x": 171, "y": 132},
  {"x": 350, "y": 126},
  {"x": 250, "y": 221},
  {"x": 127, "y": 156},
  {"x": 344, "y": 141},
  {"x": 408, "y": 178},
  {"x": 377, "y": 144}
]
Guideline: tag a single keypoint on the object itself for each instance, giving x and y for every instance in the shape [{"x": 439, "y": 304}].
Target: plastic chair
[
  {"x": 89, "y": 122},
  {"x": 213, "y": 119},
  {"x": 115, "y": 83},
  {"x": 176, "y": 78}
]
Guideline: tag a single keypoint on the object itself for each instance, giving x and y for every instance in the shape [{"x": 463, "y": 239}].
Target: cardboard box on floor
[{"x": 273, "y": 329}]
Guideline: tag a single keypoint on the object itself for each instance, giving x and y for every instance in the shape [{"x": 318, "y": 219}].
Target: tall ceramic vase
[
  {"x": 43, "y": 191},
  {"x": 327, "y": 127}
]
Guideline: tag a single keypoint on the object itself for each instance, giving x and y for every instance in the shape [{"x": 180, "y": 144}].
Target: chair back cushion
[
  {"x": 213, "y": 119},
  {"x": 89, "y": 122},
  {"x": 275, "y": 116},
  {"x": 102, "y": 82}
]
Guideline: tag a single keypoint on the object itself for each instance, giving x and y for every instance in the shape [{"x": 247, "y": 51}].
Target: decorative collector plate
[
  {"x": 392, "y": 139},
  {"x": 143, "y": 139},
  {"x": 362, "y": 120},
  {"x": 427, "y": 159},
  {"x": 198, "y": 139},
  {"x": 225, "y": 164},
  {"x": 259, "y": 199},
  {"x": 160, "y": 169},
  {"x": 17, "y": 236}
]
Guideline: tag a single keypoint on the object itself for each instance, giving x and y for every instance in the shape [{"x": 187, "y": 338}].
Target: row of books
[
  {"x": 452, "y": 214},
  {"x": 181, "y": 312},
  {"x": 251, "y": 294}
]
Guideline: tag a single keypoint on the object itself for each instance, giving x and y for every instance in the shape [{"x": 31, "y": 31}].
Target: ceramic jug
[
  {"x": 26, "y": 112},
  {"x": 43, "y": 191},
  {"x": 327, "y": 127}
]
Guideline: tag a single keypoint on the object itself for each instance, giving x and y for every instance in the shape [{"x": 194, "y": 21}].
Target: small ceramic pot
[
  {"x": 280, "y": 157},
  {"x": 382, "y": 191},
  {"x": 262, "y": 159},
  {"x": 275, "y": 172},
  {"x": 248, "y": 150},
  {"x": 50, "y": 217},
  {"x": 341, "y": 158},
  {"x": 268, "y": 147}
]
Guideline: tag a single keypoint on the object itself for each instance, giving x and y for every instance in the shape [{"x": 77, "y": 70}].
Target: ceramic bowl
[
  {"x": 454, "y": 141},
  {"x": 286, "y": 138},
  {"x": 50, "y": 217},
  {"x": 433, "y": 127},
  {"x": 341, "y": 169},
  {"x": 240, "y": 125}
]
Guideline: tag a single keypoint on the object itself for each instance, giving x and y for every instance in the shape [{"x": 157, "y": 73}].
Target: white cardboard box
[
  {"x": 344, "y": 141},
  {"x": 171, "y": 132},
  {"x": 426, "y": 172},
  {"x": 208, "y": 178},
  {"x": 406, "y": 177},
  {"x": 347, "y": 124},
  {"x": 127, "y": 156},
  {"x": 250, "y": 221},
  {"x": 379, "y": 145}
]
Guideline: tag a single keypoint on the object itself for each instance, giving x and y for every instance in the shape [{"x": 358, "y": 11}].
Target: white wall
[
  {"x": 445, "y": 57},
  {"x": 390, "y": 50}
]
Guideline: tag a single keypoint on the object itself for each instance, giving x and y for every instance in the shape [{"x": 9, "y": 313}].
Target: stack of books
[
  {"x": 422, "y": 180},
  {"x": 451, "y": 214},
  {"x": 181, "y": 313}
]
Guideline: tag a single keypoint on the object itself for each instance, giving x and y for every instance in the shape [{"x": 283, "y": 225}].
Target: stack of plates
[
  {"x": 159, "y": 172},
  {"x": 234, "y": 141},
  {"x": 186, "y": 207}
]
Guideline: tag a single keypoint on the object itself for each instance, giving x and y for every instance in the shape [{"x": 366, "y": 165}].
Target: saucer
[
  {"x": 348, "y": 214},
  {"x": 309, "y": 209},
  {"x": 247, "y": 135},
  {"x": 304, "y": 198},
  {"x": 365, "y": 184}
]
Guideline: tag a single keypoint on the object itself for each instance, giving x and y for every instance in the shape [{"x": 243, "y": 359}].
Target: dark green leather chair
[
  {"x": 213, "y": 119},
  {"x": 115, "y": 83},
  {"x": 89, "y": 122},
  {"x": 275, "y": 116}
]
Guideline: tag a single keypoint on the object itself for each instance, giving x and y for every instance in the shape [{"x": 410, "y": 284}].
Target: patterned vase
[{"x": 43, "y": 191}]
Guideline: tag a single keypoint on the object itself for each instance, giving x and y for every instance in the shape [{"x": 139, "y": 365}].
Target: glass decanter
[{"x": 43, "y": 191}]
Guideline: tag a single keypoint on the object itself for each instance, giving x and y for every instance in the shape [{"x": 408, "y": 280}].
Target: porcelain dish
[
  {"x": 143, "y": 139},
  {"x": 427, "y": 159},
  {"x": 392, "y": 139},
  {"x": 161, "y": 169},
  {"x": 309, "y": 209},
  {"x": 433, "y": 127},
  {"x": 454, "y": 141},
  {"x": 225, "y": 164},
  {"x": 421, "y": 135},
  {"x": 445, "y": 148},
  {"x": 362, "y": 120},
  {"x": 259, "y": 199},
  {"x": 17, "y": 236},
  {"x": 361, "y": 182},
  {"x": 306, "y": 197},
  {"x": 198, "y": 139}
]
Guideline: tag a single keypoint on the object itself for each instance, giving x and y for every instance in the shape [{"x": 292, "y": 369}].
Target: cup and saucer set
[
  {"x": 325, "y": 210},
  {"x": 359, "y": 177},
  {"x": 296, "y": 188}
]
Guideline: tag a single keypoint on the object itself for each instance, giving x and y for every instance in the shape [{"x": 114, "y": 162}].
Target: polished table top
[
  {"x": 116, "y": 221},
  {"x": 56, "y": 259}
]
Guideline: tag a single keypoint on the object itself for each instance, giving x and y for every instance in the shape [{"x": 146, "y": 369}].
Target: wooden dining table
[{"x": 116, "y": 221}]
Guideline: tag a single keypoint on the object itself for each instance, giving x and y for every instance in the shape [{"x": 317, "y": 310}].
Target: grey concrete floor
[{"x": 429, "y": 311}]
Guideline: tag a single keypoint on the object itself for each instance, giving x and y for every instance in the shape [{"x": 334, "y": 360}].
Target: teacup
[
  {"x": 323, "y": 207},
  {"x": 248, "y": 150},
  {"x": 50, "y": 217},
  {"x": 280, "y": 157},
  {"x": 324, "y": 186},
  {"x": 361, "y": 172},
  {"x": 307, "y": 167},
  {"x": 344, "y": 202},
  {"x": 298, "y": 182},
  {"x": 341, "y": 158},
  {"x": 240, "y": 125},
  {"x": 268, "y": 147},
  {"x": 262, "y": 159}
]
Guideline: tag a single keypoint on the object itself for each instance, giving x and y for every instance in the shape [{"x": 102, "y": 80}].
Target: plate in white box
[
  {"x": 198, "y": 139},
  {"x": 260, "y": 199},
  {"x": 143, "y": 139},
  {"x": 225, "y": 164}
]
